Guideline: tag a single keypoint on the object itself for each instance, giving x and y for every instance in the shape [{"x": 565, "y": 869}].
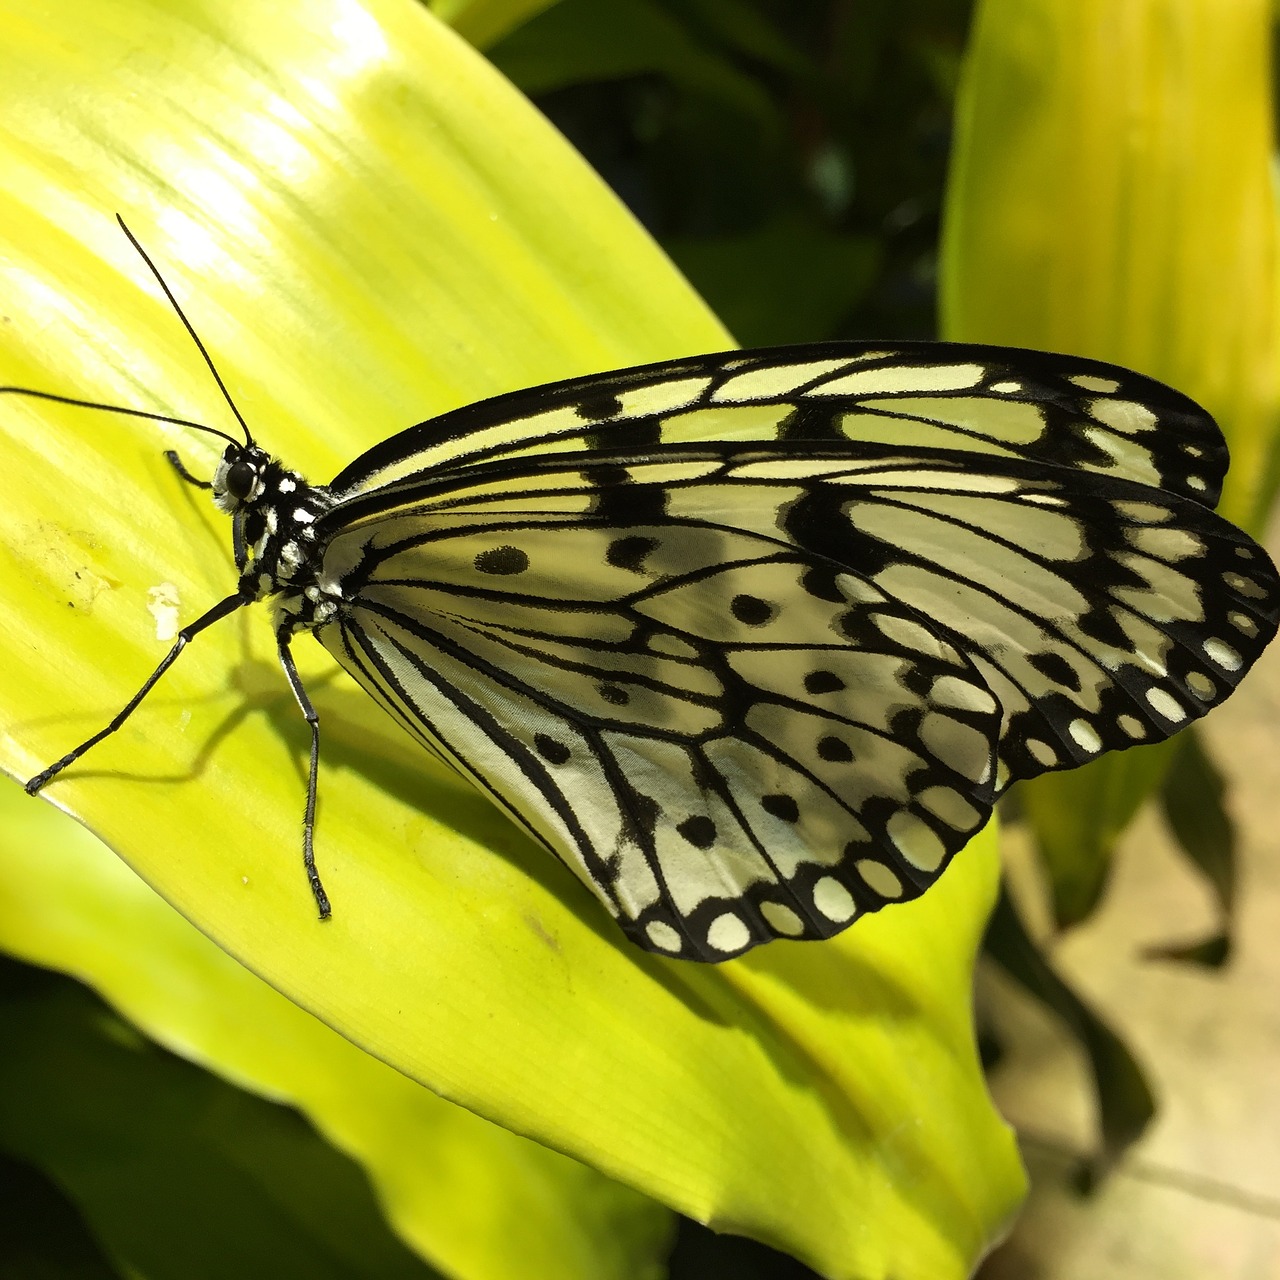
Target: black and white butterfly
[{"x": 753, "y": 641}]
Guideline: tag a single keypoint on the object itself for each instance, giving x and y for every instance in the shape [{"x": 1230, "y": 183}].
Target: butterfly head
[{"x": 238, "y": 481}]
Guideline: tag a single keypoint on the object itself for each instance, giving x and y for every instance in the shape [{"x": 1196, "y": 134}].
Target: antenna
[
  {"x": 117, "y": 408},
  {"x": 195, "y": 337}
]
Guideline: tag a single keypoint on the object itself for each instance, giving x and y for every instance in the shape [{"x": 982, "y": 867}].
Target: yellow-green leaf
[
  {"x": 1112, "y": 194},
  {"x": 369, "y": 226},
  {"x": 507, "y": 1205}
]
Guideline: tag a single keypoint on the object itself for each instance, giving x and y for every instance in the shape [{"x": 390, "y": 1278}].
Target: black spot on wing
[
  {"x": 1054, "y": 667},
  {"x": 502, "y": 561},
  {"x": 551, "y": 749},
  {"x": 823, "y": 682},
  {"x": 630, "y": 552},
  {"x": 607, "y": 475},
  {"x": 833, "y": 749},
  {"x": 751, "y": 610},
  {"x": 819, "y": 581},
  {"x": 699, "y": 831},
  {"x": 781, "y": 807}
]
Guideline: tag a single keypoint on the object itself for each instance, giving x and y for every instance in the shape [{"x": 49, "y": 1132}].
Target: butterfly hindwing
[{"x": 720, "y": 772}]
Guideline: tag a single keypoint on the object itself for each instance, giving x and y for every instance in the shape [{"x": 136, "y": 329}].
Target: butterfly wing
[
  {"x": 750, "y": 691},
  {"x": 993, "y": 401}
]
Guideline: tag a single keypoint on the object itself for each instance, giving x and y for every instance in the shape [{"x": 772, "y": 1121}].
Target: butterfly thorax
[{"x": 274, "y": 512}]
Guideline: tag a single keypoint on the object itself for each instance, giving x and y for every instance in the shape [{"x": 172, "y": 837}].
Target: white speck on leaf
[{"x": 163, "y": 602}]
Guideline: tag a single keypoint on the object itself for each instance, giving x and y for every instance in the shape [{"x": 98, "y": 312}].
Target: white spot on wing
[
  {"x": 833, "y": 900},
  {"x": 773, "y": 380},
  {"x": 915, "y": 841},
  {"x": 1132, "y": 726},
  {"x": 781, "y": 919},
  {"x": 1126, "y": 416},
  {"x": 1221, "y": 655},
  {"x": 1245, "y": 586},
  {"x": 951, "y": 807},
  {"x": 1166, "y": 704},
  {"x": 662, "y": 397},
  {"x": 880, "y": 878},
  {"x": 728, "y": 933},
  {"x": 888, "y": 381},
  {"x": 1088, "y": 382},
  {"x": 662, "y": 935},
  {"x": 1201, "y": 686},
  {"x": 1085, "y": 736}
]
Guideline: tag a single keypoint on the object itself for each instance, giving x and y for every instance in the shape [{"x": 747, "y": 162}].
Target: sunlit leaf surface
[{"x": 474, "y": 1199}]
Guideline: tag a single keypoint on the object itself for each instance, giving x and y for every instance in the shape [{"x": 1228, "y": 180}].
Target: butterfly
[{"x": 753, "y": 641}]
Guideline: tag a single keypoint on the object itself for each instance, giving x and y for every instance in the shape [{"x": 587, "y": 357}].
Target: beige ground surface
[{"x": 1199, "y": 1197}]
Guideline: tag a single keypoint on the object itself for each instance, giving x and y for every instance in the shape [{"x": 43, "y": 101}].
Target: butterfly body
[{"x": 753, "y": 641}]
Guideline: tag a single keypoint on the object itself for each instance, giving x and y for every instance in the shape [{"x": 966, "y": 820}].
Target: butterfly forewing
[{"x": 988, "y": 400}]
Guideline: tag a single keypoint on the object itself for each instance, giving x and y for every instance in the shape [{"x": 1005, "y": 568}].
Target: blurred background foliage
[{"x": 793, "y": 158}]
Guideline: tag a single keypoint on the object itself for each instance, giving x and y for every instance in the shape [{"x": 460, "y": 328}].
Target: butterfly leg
[
  {"x": 283, "y": 636},
  {"x": 188, "y": 633}
]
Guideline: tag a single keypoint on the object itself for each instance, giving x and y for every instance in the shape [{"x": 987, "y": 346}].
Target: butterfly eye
[{"x": 241, "y": 477}]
